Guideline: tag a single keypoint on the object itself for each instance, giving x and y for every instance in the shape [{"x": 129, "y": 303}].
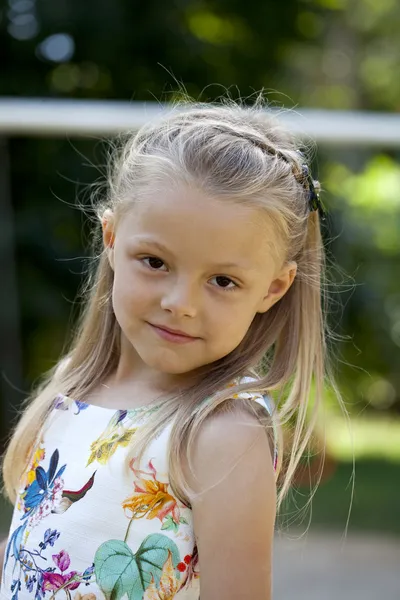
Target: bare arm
[
  {"x": 234, "y": 521},
  {"x": 3, "y": 545}
]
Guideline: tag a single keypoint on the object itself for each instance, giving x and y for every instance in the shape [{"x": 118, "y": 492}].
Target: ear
[
  {"x": 108, "y": 224},
  {"x": 278, "y": 287}
]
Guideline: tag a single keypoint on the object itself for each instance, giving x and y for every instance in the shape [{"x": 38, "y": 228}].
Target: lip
[
  {"x": 173, "y": 335},
  {"x": 176, "y": 331}
]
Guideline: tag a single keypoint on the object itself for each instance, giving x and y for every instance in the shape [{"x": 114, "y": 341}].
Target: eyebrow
[{"x": 162, "y": 248}]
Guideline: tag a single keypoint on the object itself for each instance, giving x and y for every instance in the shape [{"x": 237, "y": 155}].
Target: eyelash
[{"x": 224, "y": 289}]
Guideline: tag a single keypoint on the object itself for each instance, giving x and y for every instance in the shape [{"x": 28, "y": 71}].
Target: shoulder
[
  {"x": 233, "y": 503},
  {"x": 232, "y": 439}
]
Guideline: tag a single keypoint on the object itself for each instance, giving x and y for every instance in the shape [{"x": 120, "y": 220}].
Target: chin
[
  {"x": 161, "y": 364},
  {"x": 171, "y": 367}
]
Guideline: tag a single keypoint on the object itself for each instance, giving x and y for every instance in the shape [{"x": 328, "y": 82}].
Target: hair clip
[{"x": 313, "y": 187}]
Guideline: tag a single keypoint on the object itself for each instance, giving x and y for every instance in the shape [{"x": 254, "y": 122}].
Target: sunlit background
[{"x": 342, "y": 55}]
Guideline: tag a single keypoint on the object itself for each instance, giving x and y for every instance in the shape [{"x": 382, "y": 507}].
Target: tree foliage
[{"x": 318, "y": 53}]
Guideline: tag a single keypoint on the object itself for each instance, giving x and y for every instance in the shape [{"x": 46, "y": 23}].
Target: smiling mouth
[
  {"x": 172, "y": 335},
  {"x": 174, "y": 331}
]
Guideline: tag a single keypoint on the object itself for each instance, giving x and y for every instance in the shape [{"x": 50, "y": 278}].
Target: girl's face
[{"x": 188, "y": 262}]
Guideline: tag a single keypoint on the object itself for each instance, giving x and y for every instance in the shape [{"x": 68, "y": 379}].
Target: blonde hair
[{"x": 241, "y": 154}]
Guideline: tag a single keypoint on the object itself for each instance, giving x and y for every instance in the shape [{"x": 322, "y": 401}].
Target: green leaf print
[
  {"x": 119, "y": 571},
  {"x": 170, "y": 524}
]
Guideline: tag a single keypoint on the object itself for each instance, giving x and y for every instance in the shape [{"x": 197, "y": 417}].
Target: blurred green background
[{"x": 334, "y": 54}]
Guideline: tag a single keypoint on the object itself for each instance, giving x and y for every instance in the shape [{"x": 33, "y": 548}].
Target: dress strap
[{"x": 266, "y": 402}]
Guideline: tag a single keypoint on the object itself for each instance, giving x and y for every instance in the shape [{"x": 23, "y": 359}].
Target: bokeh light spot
[{"x": 59, "y": 47}]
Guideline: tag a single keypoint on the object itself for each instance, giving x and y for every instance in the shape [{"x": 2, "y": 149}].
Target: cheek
[
  {"x": 130, "y": 298},
  {"x": 232, "y": 325}
]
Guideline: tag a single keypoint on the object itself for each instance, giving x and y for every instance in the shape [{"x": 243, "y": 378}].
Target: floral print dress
[{"x": 89, "y": 525}]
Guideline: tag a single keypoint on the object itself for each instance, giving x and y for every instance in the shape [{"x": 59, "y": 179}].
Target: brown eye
[
  {"x": 224, "y": 282},
  {"x": 154, "y": 262}
]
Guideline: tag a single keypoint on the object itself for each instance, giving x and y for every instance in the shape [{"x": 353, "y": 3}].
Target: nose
[{"x": 181, "y": 299}]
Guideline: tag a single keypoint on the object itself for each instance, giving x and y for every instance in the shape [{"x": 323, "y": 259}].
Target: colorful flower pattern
[
  {"x": 168, "y": 585},
  {"x": 78, "y": 468},
  {"x": 151, "y": 498},
  {"x": 116, "y": 435}
]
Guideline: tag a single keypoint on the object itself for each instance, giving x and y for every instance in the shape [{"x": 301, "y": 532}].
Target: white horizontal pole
[{"x": 52, "y": 117}]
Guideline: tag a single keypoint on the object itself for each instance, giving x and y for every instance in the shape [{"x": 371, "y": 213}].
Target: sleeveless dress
[{"x": 90, "y": 525}]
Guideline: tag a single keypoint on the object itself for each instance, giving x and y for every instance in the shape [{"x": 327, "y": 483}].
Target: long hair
[{"x": 237, "y": 154}]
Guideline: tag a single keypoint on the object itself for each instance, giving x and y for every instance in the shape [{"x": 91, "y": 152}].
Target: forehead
[{"x": 188, "y": 222}]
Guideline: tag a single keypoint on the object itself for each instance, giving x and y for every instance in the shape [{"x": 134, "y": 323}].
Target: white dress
[{"x": 90, "y": 524}]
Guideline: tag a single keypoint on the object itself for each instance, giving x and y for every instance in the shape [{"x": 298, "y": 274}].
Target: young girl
[{"x": 145, "y": 467}]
